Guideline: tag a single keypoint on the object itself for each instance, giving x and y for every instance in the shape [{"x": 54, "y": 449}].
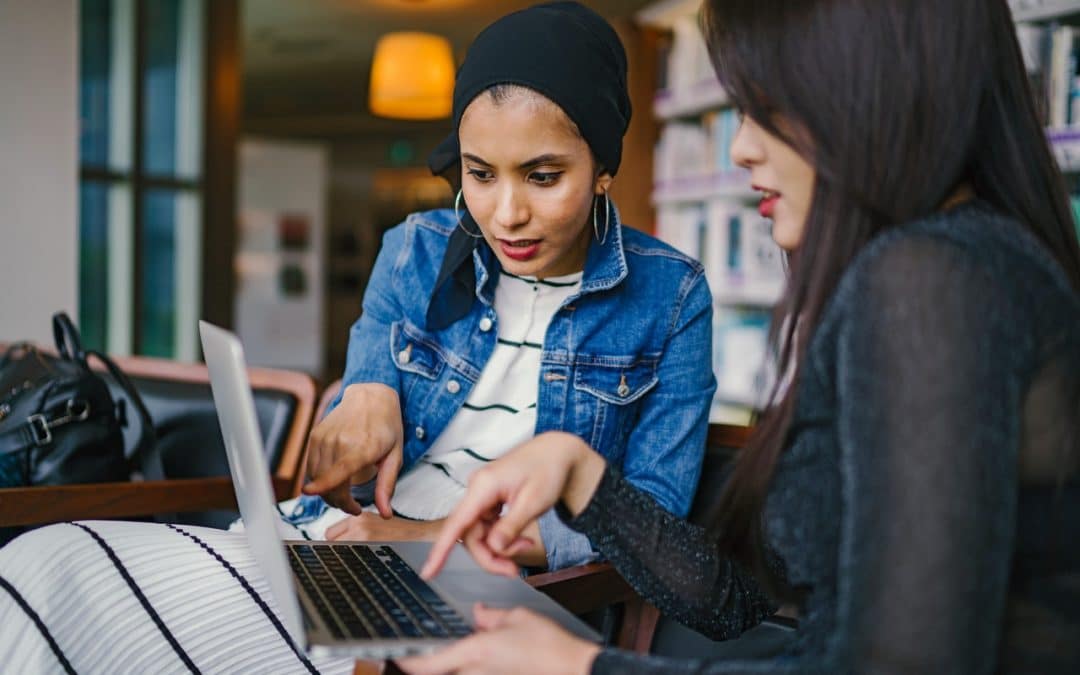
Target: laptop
[{"x": 360, "y": 600}]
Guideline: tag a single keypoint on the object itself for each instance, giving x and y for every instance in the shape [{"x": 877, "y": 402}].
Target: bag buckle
[{"x": 39, "y": 430}]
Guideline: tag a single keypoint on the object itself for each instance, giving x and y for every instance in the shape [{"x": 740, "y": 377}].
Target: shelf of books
[
  {"x": 705, "y": 208},
  {"x": 1043, "y": 10},
  {"x": 705, "y": 205},
  {"x": 1049, "y": 35}
]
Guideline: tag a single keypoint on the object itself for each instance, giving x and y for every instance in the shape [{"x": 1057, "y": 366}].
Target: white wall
[
  {"x": 281, "y": 328},
  {"x": 38, "y": 166}
]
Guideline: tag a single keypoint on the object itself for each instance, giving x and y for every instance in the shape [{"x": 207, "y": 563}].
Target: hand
[
  {"x": 370, "y": 527},
  {"x": 527, "y": 481},
  {"x": 508, "y": 641},
  {"x": 362, "y": 432}
]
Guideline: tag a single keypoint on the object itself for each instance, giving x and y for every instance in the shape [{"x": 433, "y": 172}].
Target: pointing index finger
[{"x": 468, "y": 512}]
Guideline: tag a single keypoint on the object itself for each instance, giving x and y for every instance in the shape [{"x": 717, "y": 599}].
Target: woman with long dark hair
[{"x": 913, "y": 484}]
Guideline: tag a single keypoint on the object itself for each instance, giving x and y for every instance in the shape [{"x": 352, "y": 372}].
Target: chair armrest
[
  {"x": 56, "y": 503},
  {"x": 583, "y": 588}
]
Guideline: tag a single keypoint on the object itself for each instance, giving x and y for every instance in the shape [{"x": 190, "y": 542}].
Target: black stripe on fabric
[
  {"x": 511, "y": 343},
  {"x": 493, "y": 406},
  {"x": 250, "y": 591},
  {"x": 295, "y": 527},
  {"x": 21, "y": 602},
  {"x": 553, "y": 284},
  {"x": 141, "y": 597},
  {"x": 442, "y": 467},
  {"x": 474, "y": 455}
]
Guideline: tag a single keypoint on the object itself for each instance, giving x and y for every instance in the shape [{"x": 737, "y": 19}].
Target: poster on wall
[{"x": 279, "y": 303}]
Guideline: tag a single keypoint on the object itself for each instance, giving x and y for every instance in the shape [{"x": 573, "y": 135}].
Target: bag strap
[
  {"x": 146, "y": 451},
  {"x": 68, "y": 342},
  {"x": 15, "y": 349}
]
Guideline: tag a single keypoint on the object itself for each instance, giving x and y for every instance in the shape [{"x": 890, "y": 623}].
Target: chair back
[
  {"x": 197, "y": 487},
  {"x": 181, "y": 405},
  {"x": 721, "y": 445}
]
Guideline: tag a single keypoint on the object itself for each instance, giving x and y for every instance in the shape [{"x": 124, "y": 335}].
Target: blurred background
[{"x": 163, "y": 161}]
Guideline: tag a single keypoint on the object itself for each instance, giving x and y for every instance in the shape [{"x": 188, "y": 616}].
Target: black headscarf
[
  {"x": 563, "y": 50},
  {"x": 569, "y": 54}
]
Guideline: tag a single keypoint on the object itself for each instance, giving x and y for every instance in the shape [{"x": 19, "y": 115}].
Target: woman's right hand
[
  {"x": 363, "y": 432},
  {"x": 520, "y": 486}
]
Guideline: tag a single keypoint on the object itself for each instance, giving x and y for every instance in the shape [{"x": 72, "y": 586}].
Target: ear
[{"x": 603, "y": 182}]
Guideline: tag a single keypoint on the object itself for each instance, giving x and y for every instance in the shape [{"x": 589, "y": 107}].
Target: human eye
[
  {"x": 481, "y": 175},
  {"x": 545, "y": 178}
]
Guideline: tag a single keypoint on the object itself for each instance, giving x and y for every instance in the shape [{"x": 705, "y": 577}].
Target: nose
[
  {"x": 511, "y": 209},
  {"x": 746, "y": 151}
]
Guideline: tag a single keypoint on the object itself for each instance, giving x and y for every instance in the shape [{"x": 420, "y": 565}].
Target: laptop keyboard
[{"x": 366, "y": 592}]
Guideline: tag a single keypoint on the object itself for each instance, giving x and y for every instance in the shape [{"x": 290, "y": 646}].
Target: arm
[
  {"x": 665, "y": 447},
  {"x": 928, "y": 394},
  {"x": 672, "y": 563},
  {"x": 368, "y": 358},
  {"x": 366, "y": 431}
]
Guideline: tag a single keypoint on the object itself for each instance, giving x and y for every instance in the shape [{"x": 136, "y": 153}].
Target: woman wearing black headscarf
[{"x": 527, "y": 308}]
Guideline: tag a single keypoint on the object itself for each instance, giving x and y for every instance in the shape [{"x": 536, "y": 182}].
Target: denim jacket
[{"x": 625, "y": 365}]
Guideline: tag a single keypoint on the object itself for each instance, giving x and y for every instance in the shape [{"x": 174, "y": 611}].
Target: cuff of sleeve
[
  {"x": 597, "y": 511},
  {"x": 563, "y": 546}
]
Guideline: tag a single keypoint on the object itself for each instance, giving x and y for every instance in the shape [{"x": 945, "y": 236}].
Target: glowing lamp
[{"x": 412, "y": 77}]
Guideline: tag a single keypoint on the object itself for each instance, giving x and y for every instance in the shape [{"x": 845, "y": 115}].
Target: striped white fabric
[
  {"x": 118, "y": 597},
  {"x": 121, "y": 597},
  {"x": 500, "y": 412}
]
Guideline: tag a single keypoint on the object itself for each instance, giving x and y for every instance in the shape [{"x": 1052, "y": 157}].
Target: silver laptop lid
[{"x": 250, "y": 473}]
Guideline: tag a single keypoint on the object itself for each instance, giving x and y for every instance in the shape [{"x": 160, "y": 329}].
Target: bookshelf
[
  {"x": 706, "y": 208},
  {"x": 701, "y": 97},
  {"x": 1043, "y": 10},
  {"x": 705, "y": 205}
]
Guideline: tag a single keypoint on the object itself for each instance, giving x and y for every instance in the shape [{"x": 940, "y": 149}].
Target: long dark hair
[{"x": 897, "y": 103}]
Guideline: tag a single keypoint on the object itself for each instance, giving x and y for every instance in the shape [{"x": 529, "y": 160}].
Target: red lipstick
[
  {"x": 768, "y": 201},
  {"x": 520, "y": 250}
]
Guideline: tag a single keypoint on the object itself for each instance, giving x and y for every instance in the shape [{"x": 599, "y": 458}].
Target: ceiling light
[{"x": 412, "y": 76}]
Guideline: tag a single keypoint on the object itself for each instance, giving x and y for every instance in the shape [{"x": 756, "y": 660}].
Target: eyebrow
[{"x": 530, "y": 164}]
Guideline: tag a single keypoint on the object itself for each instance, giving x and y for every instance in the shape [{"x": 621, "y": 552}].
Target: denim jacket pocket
[
  {"x": 617, "y": 384},
  {"x": 608, "y": 391},
  {"x": 413, "y": 351}
]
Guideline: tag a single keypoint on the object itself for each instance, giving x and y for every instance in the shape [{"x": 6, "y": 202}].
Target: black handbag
[{"x": 59, "y": 423}]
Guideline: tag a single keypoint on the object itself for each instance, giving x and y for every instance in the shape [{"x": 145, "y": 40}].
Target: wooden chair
[{"x": 181, "y": 405}]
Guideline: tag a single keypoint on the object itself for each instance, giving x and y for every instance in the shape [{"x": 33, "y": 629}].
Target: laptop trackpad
[{"x": 463, "y": 583}]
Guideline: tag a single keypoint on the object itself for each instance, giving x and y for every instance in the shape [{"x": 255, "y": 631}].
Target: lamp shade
[{"x": 412, "y": 77}]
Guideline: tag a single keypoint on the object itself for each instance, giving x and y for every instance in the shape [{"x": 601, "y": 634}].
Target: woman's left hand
[
  {"x": 508, "y": 641},
  {"x": 373, "y": 527}
]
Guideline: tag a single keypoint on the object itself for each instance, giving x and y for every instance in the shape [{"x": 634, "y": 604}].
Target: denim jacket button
[
  {"x": 405, "y": 355},
  {"x": 623, "y": 390},
  {"x": 420, "y": 433},
  {"x": 486, "y": 324},
  {"x": 453, "y": 387}
]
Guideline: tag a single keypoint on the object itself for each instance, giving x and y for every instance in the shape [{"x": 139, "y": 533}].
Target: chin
[{"x": 786, "y": 236}]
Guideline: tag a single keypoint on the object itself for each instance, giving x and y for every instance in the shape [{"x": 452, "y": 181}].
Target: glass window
[
  {"x": 140, "y": 223},
  {"x": 93, "y": 262},
  {"x": 171, "y": 87},
  {"x": 95, "y": 66}
]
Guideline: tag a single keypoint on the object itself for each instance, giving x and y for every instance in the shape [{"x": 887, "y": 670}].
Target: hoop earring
[
  {"x": 457, "y": 214},
  {"x": 607, "y": 219}
]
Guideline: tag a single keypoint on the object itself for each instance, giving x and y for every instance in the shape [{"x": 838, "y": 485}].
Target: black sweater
[{"x": 920, "y": 505}]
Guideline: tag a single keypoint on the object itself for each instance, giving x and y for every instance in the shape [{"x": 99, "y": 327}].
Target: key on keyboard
[{"x": 361, "y": 593}]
